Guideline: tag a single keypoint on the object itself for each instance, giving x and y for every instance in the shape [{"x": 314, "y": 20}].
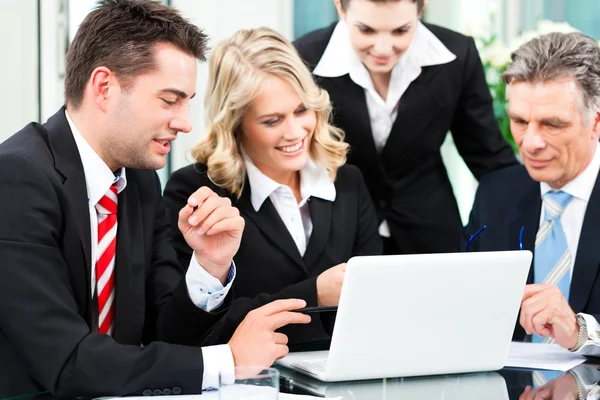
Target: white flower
[
  {"x": 522, "y": 39},
  {"x": 497, "y": 54},
  {"x": 493, "y": 6},
  {"x": 476, "y": 29},
  {"x": 543, "y": 27}
]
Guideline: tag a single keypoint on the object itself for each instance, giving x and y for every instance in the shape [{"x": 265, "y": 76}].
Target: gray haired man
[{"x": 551, "y": 204}]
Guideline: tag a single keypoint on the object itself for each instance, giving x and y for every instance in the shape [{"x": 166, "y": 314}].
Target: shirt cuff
[
  {"x": 592, "y": 346},
  {"x": 206, "y": 291},
  {"x": 218, "y": 360}
]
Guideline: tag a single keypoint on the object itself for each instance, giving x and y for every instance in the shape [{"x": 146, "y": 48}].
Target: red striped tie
[{"x": 105, "y": 261}]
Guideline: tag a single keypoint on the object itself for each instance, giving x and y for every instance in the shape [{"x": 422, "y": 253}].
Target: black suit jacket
[
  {"x": 508, "y": 200},
  {"x": 48, "y": 320},
  {"x": 407, "y": 180},
  {"x": 269, "y": 265}
]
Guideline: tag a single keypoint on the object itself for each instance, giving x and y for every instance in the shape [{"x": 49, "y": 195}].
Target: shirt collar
[
  {"x": 581, "y": 187},
  {"x": 314, "y": 182},
  {"x": 98, "y": 176},
  {"x": 340, "y": 59}
]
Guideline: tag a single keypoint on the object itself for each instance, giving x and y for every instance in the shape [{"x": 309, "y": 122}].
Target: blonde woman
[{"x": 271, "y": 150}]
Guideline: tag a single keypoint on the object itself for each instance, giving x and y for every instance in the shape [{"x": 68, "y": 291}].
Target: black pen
[{"x": 312, "y": 310}]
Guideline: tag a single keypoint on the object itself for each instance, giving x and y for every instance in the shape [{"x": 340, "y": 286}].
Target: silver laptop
[{"x": 422, "y": 314}]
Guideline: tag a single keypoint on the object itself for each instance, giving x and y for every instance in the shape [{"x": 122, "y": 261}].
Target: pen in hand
[{"x": 314, "y": 310}]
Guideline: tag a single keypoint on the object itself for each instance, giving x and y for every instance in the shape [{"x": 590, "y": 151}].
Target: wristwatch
[
  {"x": 582, "y": 392},
  {"x": 583, "y": 333}
]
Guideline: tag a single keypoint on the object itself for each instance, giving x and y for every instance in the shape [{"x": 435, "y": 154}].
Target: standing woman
[
  {"x": 398, "y": 86},
  {"x": 270, "y": 149}
]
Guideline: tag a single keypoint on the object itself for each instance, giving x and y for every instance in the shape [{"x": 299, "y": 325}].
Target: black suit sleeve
[
  {"x": 179, "y": 188},
  {"x": 177, "y": 318},
  {"x": 368, "y": 242},
  {"x": 38, "y": 313},
  {"x": 311, "y": 46},
  {"x": 474, "y": 126}
]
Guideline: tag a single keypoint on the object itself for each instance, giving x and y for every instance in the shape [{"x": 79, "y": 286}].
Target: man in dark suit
[
  {"x": 93, "y": 300},
  {"x": 551, "y": 205}
]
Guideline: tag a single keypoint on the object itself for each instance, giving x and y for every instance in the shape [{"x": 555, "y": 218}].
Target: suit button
[
  {"x": 157, "y": 392},
  {"x": 147, "y": 392},
  {"x": 176, "y": 390},
  {"x": 167, "y": 392}
]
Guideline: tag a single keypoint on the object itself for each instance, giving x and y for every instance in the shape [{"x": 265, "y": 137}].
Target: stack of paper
[{"x": 542, "y": 356}]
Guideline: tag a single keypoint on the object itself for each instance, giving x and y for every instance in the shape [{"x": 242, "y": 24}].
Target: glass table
[
  {"x": 579, "y": 383},
  {"x": 582, "y": 382}
]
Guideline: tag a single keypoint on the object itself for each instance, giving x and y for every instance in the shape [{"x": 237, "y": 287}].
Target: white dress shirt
[
  {"x": 314, "y": 182},
  {"x": 205, "y": 291},
  {"x": 572, "y": 220},
  {"x": 340, "y": 59}
]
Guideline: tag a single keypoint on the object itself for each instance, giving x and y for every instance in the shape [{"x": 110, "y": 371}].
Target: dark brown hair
[
  {"x": 420, "y": 3},
  {"x": 121, "y": 35}
]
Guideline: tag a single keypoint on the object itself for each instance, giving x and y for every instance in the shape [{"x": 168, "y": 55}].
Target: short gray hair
[{"x": 557, "y": 56}]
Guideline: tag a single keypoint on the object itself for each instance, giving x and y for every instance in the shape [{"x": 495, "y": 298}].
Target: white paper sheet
[{"x": 542, "y": 356}]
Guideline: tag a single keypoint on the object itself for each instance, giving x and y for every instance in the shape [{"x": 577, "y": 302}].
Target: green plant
[{"x": 495, "y": 59}]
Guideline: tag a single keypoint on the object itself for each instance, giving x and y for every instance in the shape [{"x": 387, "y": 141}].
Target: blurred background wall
[{"x": 36, "y": 33}]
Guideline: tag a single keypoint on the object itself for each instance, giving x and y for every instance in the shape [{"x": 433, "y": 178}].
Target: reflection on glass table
[
  {"x": 488, "y": 385},
  {"x": 581, "y": 382}
]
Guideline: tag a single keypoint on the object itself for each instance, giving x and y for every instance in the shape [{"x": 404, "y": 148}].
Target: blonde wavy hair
[{"x": 237, "y": 69}]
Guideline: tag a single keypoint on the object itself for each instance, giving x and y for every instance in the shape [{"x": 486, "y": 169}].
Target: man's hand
[
  {"x": 329, "y": 285},
  {"x": 562, "y": 388},
  {"x": 546, "y": 312},
  {"x": 255, "y": 342},
  {"x": 213, "y": 228}
]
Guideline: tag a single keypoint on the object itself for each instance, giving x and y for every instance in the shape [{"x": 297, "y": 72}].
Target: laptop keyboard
[{"x": 316, "y": 365}]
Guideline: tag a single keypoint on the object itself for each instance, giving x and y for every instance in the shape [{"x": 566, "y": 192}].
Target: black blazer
[
  {"x": 408, "y": 181},
  {"x": 48, "y": 320},
  {"x": 269, "y": 265},
  {"x": 508, "y": 200}
]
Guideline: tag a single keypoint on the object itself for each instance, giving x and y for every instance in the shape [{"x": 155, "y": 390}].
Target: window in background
[
  {"x": 312, "y": 14},
  {"x": 580, "y": 14}
]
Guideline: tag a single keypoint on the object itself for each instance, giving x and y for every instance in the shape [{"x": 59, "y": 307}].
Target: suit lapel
[
  {"x": 268, "y": 221},
  {"x": 321, "y": 216},
  {"x": 410, "y": 123},
  {"x": 588, "y": 256},
  {"x": 67, "y": 162},
  {"x": 528, "y": 218},
  {"x": 351, "y": 99},
  {"x": 130, "y": 259}
]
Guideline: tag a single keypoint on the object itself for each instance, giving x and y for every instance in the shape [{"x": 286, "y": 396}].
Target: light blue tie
[{"x": 552, "y": 261}]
